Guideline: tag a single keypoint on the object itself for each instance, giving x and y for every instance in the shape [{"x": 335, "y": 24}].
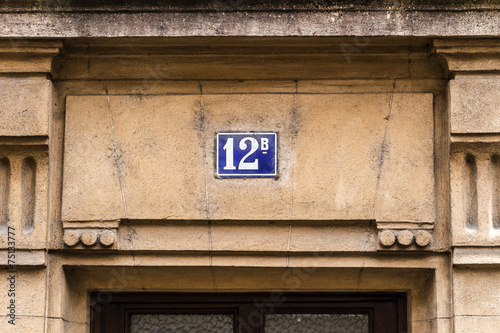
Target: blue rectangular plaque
[{"x": 248, "y": 154}]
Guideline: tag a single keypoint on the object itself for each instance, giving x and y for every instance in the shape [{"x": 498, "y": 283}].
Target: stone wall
[{"x": 388, "y": 173}]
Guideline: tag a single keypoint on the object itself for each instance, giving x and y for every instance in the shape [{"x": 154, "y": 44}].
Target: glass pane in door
[
  {"x": 316, "y": 323},
  {"x": 181, "y": 323}
]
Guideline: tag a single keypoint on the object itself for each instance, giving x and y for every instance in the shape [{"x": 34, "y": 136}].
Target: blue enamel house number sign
[{"x": 250, "y": 154}]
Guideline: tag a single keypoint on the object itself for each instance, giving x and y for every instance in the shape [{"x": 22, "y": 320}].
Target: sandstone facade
[{"x": 388, "y": 165}]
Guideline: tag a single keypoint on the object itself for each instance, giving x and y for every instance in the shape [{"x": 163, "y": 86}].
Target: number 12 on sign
[{"x": 250, "y": 154}]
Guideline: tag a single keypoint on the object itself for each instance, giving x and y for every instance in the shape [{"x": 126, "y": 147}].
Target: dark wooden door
[{"x": 248, "y": 312}]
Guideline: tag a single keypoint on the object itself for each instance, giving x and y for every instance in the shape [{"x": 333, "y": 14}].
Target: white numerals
[
  {"x": 229, "y": 148},
  {"x": 244, "y": 165}
]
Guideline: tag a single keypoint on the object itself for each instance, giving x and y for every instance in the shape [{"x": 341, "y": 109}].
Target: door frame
[{"x": 387, "y": 311}]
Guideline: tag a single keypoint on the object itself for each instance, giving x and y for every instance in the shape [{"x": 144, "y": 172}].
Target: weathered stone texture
[
  {"x": 243, "y": 5},
  {"x": 179, "y": 236},
  {"x": 375, "y": 140},
  {"x": 328, "y": 237},
  {"x": 341, "y": 157},
  {"x": 143, "y": 210},
  {"x": 243, "y": 23},
  {"x": 249, "y": 198},
  {"x": 142, "y": 157},
  {"x": 25, "y": 107},
  {"x": 90, "y": 144},
  {"x": 476, "y": 324},
  {"x": 30, "y": 296},
  {"x": 477, "y": 293},
  {"x": 24, "y": 324},
  {"x": 27, "y": 196},
  {"x": 387, "y": 238},
  {"x": 475, "y": 195},
  {"x": 406, "y": 175},
  {"x": 258, "y": 236},
  {"x": 475, "y": 105}
]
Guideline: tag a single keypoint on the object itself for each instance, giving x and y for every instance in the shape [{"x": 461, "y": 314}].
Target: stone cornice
[
  {"x": 245, "y": 5},
  {"x": 469, "y": 56},
  {"x": 25, "y": 56},
  {"x": 250, "y": 23}
]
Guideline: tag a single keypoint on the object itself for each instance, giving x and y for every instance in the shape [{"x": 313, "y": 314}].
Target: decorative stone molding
[
  {"x": 423, "y": 238},
  {"x": 25, "y": 113},
  {"x": 23, "y": 193},
  {"x": 475, "y": 193},
  {"x": 28, "y": 56},
  {"x": 90, "y": 234},
  {"x": 387, "y": 238},
  {"x": 89, "y": 238},
  {"x": 474, "y": 97},
  {"x": 405, "y": 239},
  {"x": 71, "y": 237},
  {"x": 107, "y": 238},
  {"x": 464, "y": 56}
]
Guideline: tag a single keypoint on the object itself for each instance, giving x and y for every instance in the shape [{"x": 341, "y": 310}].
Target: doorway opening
[{"x": 261, "y": 312}]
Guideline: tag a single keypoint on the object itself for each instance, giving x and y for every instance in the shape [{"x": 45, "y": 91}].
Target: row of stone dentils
[
  {"x": 89, "y": 237},
  {"x": 405, "y": 238}
]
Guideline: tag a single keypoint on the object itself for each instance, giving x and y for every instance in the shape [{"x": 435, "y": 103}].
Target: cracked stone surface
[{"x": 153, "y": 156}]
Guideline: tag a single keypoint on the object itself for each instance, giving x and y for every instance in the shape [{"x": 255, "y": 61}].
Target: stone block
[
  {"x": 475, "y": 194},
  {"x": 269, "y": 236},
  {"x": 332, "y": 159},
  {"x": 426, "y": 326},
  {"x": 260, "y": 236},
  {"x": 26, "y": 258},
  {"x": 477, "y": 292},
  {"x": 55, "y": 325},
  {"x": 474, "y": 105},
  {"x": 24, "y": 324},
  {"x": 344, "y": 86},
  {"x": 476, "y": 256},
  {"x": 476, "y": 324},
  {"x": 250, "y": 86},
  {"x": 25, "y": 107},
  {"x": 173, "y": 236},
  {"x": 405, "y": 189},
  {"x": 133, "y": 157},
  {"x": 159, "y": 156},
  {"x": 346, "y": 157},
  {"x": 367, "y": 156},
  {"x": 147, "y": 87},
  {"x": 329, "y": 237},
  {"x": 154, "y": 67},
  {"x": 91, "y": 184},
  {"x": 25, "y": 188},
  {"x": 248, "y": 261},
  {"x": 260, "y": 198},
  {"x": 30, "y": 293}
]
